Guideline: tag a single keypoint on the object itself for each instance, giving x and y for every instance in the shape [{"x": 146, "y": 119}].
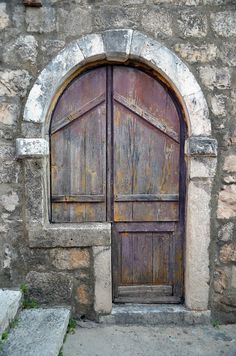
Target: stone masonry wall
[{"x": 203, "y": 34}]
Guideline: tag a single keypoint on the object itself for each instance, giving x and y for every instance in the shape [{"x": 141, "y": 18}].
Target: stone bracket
[
  {"x": 201, "y": 146},
  {"x": 31, "y": 147}
]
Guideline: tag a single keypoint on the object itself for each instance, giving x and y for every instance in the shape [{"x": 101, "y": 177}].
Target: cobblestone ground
[{"x": 91, "y": 339}]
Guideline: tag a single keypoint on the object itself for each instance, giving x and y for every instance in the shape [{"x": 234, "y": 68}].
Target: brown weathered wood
[
  {"x": 78, "y": 151},
  {"x": 159, "y": 123},
  {"x": 146, "y": 184},
  {"x": 78, "y": 198},
  {"x": 33, "y": 3},
  {"x": 63, "y": 121},
  {"x": 146, "y": 227},
  {"x": 146, "y": 197}
]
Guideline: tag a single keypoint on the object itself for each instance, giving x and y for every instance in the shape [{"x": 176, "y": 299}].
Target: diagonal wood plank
[
  {"x": 153, "y": 120},
  {"x": 65, "y": 120}
]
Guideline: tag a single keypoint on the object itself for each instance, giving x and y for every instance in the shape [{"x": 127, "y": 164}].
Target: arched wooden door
[{"x": 117, "y": 155}]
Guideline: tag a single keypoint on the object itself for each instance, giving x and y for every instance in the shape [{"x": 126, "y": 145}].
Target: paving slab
[
  {"x": 10, "y": 301},
  {"x": 91, "y": 339},
  {"x": 39, "y": 332}
]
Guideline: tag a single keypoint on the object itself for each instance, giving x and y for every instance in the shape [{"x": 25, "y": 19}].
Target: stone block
[
  {"x": 82, "y": 295},
  {"x": 70, "y": 259},
  {"x": 227, "y": 53},
  {"x": 230, "y": 163},
  {"x": 9, "y": 171},
  {"x": 51, "y": 287},
  {"x": 102, "y": 274},
  {"x": 157, "y": 22},
  {"x": 198, "y": 112},
  {"x": 233, "y": 277},
  {"x": 117, "y": 44},
  {"x": 38, "y": 332},
  {"x": 218, "y": 105},
  {"x": 14, "y": 82},
  {"x": 220, "y": 281},
  {"x": 9, "y": 112},
  {"x": 79, "y": 23},
  {"x": 230, "y": 179},
  {"x": 139, "y": 40},
  {"x": 227, "y": 202},
  {"x": 108, "y": 17},
  {"x": 201, "y": 146},
  {"x": 197, "y": 264},
  {"x": 228, "y": 253},
  {"x": 21, "y": 51},
  {"x": 51, "y": 47},
  {"x": 31, "y": 129},
  {"x": 202, "y": 167},
  {"x": 226, "y": 232},
  {"x": 40, "y": 20},
  {"x": 224, "y": 23},
  {"x": 196, "y": 54},
  {"x": 213, "y": 77},
  {"x": 216, "y": 2},
  {"x": 4, "y": 18},
  {"x": 33, "y": 173},
  {"x": 7, "y": 152},
  {"x": 92, "y": 47},
  {"x": 31, "y": 147},
  {"x": 10, "y": 301},
  {"x": 70, "y": 235},
  {"x": 192, "y": 24},
  {"x": 9, "y": 201}
]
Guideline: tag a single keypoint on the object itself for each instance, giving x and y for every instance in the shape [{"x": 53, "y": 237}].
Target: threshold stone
[{"x": 154, "y": 314}]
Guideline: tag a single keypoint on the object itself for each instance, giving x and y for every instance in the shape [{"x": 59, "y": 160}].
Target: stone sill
[{"x": 70, "y": 235}]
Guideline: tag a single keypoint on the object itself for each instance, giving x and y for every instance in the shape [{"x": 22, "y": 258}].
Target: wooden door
[{"x": 117, "y": 155}]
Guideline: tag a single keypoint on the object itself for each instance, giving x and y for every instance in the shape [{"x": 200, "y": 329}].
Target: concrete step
[
  {"x": 39, "y": 332},
  {"x": 154, "y": 314},
  {"x": 10, "y": 301}
]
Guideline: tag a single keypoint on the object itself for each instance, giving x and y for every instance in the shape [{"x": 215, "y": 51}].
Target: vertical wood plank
[{"x": 142, "y": 260}]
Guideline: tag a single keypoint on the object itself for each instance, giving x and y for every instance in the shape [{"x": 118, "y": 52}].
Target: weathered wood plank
[
  {"x": 145, "y": 290},
  {"x": 146, "y": 227},
  {"x": 78, "y": 198},
  {"x": 146, "y": 197},
  {"x": 126, "y": 258},
  {"x": 157, "y": 122},
  {"x": 142, "y": 260},
  {"x": 63, "y": 121}
]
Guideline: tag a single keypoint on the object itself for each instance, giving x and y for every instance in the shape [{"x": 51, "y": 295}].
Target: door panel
[
  {"x": 78, "y": 151},
  {"x": 146, "y": 129}
]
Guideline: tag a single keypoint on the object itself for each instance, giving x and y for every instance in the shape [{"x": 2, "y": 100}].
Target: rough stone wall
[{"x": 203, "y": 34}]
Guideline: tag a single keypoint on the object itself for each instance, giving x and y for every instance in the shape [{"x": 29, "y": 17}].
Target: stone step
[
  {"x": 154, "y": 314},
  {"x": 10, "y": 301},
  {"x": 38, "y": 332}
]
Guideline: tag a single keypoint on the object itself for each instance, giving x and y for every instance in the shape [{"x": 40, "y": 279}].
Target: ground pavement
[{"x": 91, "y": 339}]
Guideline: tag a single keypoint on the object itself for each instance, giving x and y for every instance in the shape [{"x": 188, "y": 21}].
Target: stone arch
[
  {"x": 200, "y": 149},
  {"x": 119, "y": 46}
]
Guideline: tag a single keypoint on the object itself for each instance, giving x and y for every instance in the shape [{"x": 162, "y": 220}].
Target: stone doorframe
[{"x": 200, "y": 154}]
